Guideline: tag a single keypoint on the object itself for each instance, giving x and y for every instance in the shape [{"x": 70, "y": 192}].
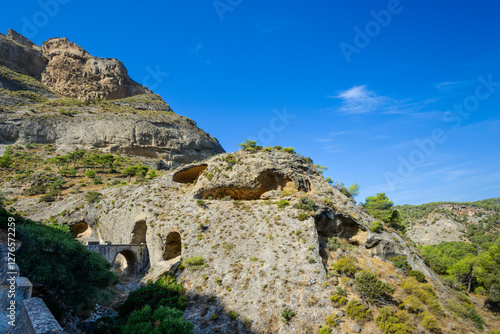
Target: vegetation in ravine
[
  {"x": 63, "y": 271},
  {"x": 156, "y": 308}
]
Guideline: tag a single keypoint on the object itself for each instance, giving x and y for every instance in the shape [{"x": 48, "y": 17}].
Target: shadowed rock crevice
[
  {"x": 189, "y": 174},
  {"x": 173, "y": 246},
  {"x": 266, "y": 181},
  {"x": 139, "y": 233},
  {"x": 81, "y": 230}
]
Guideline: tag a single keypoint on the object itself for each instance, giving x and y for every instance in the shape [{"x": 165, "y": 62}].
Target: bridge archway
[
  {"x": 125, "y": 263},
  {"x": 173, "y": 246}
]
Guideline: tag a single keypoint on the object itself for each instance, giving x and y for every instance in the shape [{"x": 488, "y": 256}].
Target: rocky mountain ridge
[
  {"x": 433, "y": 223},
  {"x": 59, "y": 94},
  {"x": 67, "y": 69},
  {"x": 258, "y": 249}
]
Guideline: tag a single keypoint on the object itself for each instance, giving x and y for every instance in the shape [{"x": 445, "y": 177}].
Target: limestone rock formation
[
  {"x": 59, "y": 94},
  {"x": 71, "y": 71},
  {"x": 157, "y": 135},
  {"x": 67, "y": 69},
  {"x": 20, "y": 55},
  {"x": 259, "y": 258}
]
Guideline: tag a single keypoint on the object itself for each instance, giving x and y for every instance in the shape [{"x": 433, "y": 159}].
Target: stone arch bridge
[{"x": 136, "y": 255}]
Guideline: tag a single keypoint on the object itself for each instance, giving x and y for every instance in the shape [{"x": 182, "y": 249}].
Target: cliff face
[
  {"x": 159, "y": 135},
  {"x": 59, "y": 94},
  {"x": 17, "y": 54},
  {"x": 260, "y": 256},
  {"x": 72, "y": 72},
  {"x": 67, "y": 69}
]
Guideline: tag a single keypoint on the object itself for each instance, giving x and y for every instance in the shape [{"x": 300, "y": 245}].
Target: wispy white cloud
[
  {"x": 361, "y": 100},
  {"x": 446, "y": 85}
]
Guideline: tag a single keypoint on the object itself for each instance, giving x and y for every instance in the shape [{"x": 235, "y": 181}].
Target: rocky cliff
[
  {"x": 67, "y": 69},
  {"x": 59, "y": 94},
  {"x": 262, "y": 251}
]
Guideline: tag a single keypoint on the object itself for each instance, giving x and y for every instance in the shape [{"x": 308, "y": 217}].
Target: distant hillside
[{"x": 437, "y": 222}]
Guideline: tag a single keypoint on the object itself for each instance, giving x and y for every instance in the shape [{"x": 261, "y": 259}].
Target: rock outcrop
[
  {"x": 20, "y": 56},
  {"x": 259, "y": 257},
  {"x": 154, "y": 134},
  {"x": 67, "y": 69},
  {"x": 60, "y": 94},
  {"x": 71, "y": 71}
]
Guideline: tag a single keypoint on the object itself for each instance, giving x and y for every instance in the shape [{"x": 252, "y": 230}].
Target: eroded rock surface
[
  {"x": 161, "y": 136},
  {"x": 71, "y": 71},
  {"x": 67, "y": 69},
  {"x": 259, "y": 258}
]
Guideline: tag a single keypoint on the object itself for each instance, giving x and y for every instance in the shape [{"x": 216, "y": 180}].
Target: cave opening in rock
[
  {"x": 81, "y": 230},
  {"x": 266, "y": 181},
  {"x": 189, "y": 175},
  {"x": 125, "y": 263},
  {"x": 173, "y": 246},
  {"x": 139, "y": 233}
]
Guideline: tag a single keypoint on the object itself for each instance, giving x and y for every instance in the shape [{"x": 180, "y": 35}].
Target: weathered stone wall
[{"x": 31, "y": 315}]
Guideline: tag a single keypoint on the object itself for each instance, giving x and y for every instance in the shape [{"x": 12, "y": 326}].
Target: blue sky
[{"x": 399, "y": 96}]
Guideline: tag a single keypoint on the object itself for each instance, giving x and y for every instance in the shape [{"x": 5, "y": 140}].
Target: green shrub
[
  {"x": 325, "y": 330},
  {"x": 250, "y": 145},
  {"x": 163, "y": 320},
  {"x": 400, "y": 262},
  {"x": 376, "y": 226},
  {"x": 305, "y": 203},
  {"x": 424, "y": 293},
  {"x": 164, "y": 292},
  {"x": 210, "y": 176},
  {"x": 35, "y": 190},
  {"x": 200, "y": 202},
  {"x": 194, "y": 263},
  {"x": 233, "y": 315},
  {"x": 333, "y": 244},
  {"x": 419, "y": 276},
  {"x": 82, "y": 276},
  {"x": 5, "y": 161},
  {"x": 302, "y": 216},
  {"x": 93, "y": 197},
  {"x": 57, "y": 184},
  {"x": 430, "y": 323},
  {"x": 287, "y": 315},
  {"x": 412, "y": 304},
  {"x": 476, "y": 318},
  {"x": 341, "y": 292},
  {"x": 357, "y": 311},
  {"x": 346, "y": 266},
  {"x": 338, "y": 300},
  {"x": 282, "y": 204},
  {"x": 394, "y": 323},
  {"x": 333, "y": 320},
  {"x": 370, "y": 288},
  {"x": 289, "y": 150}
]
